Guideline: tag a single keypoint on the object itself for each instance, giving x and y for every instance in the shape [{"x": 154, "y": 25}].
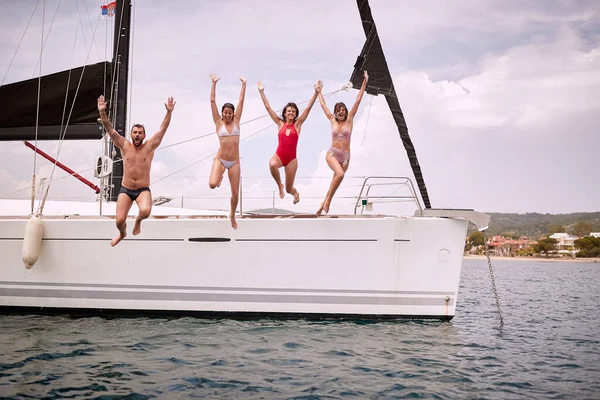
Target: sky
[{"x": 501, "y": 98}]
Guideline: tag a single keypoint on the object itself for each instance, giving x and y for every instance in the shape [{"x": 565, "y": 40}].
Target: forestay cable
[
  {"x": 20, "y": 41},
  {"x": 345, "y": 87}
]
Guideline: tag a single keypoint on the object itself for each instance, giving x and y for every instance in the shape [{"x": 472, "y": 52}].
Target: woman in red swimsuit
[
  {"x": 289, "y": 130},
  {"x": 338, "y": 155}
]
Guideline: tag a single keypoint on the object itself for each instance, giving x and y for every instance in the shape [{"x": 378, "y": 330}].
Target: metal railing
[
  {"x": 365, "y": 199},
  {"x": 357, "y": 195}
]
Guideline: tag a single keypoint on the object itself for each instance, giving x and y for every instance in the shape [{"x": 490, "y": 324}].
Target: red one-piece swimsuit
[{"x": 288, "y": 141}]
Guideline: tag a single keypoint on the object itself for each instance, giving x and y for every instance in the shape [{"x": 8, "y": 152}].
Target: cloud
[
  {"x": 500, "y": 101},
  {"x": 496, "y": 131}
]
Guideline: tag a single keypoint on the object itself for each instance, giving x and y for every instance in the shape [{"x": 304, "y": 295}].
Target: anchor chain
[{"x": 487, "y": 253}]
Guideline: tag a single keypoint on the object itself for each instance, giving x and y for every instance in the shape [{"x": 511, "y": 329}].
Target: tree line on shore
[
  {"x": 536, "y": 225},
  {"x": 584, "y": 246}
]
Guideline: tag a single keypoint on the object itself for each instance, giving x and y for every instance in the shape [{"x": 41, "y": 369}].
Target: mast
[
  {"x": 120, "y": 82},
  {"x": 373, "y": 60}
]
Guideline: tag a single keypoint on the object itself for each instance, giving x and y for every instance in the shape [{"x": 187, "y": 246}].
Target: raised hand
[
  {"x": 242, "y": 79},
  {"x": 366, "y": 75},
  {"x": 318, "y": 86},
  {"x": 101, "y": 104},
  {"x": 260, "y": 86},
  {"x": 213, "y": 77},
  {"x": 170, "y": 104}
]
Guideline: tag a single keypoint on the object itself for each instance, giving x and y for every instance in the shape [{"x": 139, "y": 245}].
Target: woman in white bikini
[
  {"x": 227, "y": 126},
  {"x": 338, "y": 155}
]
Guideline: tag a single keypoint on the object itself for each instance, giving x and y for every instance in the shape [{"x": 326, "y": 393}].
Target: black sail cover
[
  {"x": 373, "y": 61},
  {"x": 19, "y": 105}
]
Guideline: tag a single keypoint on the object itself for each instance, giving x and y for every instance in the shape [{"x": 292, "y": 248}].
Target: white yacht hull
[{"x": 367, "y": 267}]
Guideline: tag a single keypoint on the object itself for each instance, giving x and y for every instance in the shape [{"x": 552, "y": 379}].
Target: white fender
[{"x": 32, "y": 241}]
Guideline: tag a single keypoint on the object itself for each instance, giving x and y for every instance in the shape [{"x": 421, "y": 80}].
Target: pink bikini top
[{"x": 343, "y": 135}]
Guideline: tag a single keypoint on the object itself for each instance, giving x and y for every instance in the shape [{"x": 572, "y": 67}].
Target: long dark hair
[
  {"x": 337, "y": 107},
  {"x": 290, "y": 104}
]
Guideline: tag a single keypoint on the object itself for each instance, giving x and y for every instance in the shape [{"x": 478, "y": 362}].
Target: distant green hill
[
  {"x": 535, "y": 225},
  {"x": 532, "y": 225}
]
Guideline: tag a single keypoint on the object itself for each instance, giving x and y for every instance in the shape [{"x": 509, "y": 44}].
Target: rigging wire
[
  {"x": 132, "y": 58},
  {"x": 81, "y": 23},
  {"x": 66, "y": 96},
  {"x": 20, "y": 41},
  {"x": 367, "y": 123},
  {"x": 114, "y": 72},
  {"x": 248, "y": 137},
  {"x": 37, "y": 112},
  {"x": 212, "y": 133},
  {"x": 64, "y": 132},
  {"x": 327, "y": 95},
  {"x": 112, "y": 109},
  {"x": 104, "y": 140},
  {"x": 210, "y": 155},
  {"x": 90, "y": 21},
  {"x": 51, "y": 180},
  {"x": 47, "y": 36},
  {"x": 62, "y": 122}
]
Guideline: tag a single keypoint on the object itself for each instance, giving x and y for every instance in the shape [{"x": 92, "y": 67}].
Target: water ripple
[{"x": 547, "y": 349}]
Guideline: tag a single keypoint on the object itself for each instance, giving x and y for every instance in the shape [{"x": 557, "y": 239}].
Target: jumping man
[{"x": 137, "y": 158}]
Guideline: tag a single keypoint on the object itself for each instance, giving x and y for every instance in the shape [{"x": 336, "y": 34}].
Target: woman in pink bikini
[
  {"x": 338, "y": 155},
  {"x": 228, "y": 158},
  {"x": 289, "y": 126}
]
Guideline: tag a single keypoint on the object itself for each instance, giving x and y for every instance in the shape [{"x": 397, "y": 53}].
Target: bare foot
[
  {"x": 296, "y": 197},
  {"x": 233, "y": 221},
  {"x": 320, "y": 210},
  {"x": 326, "y": 206},
  {"x": 115, "y": 241},
  {"x": 137, "y": 228},
  {"x": 281, "y": 192}
]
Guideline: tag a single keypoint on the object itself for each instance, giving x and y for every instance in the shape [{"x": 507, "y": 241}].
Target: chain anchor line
[{"x": 487, "y": 253}]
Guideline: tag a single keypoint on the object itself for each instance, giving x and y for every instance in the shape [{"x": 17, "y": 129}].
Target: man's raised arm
[
  {"x": 117, "y": 139},
  {"x": 158, "y": 136}
]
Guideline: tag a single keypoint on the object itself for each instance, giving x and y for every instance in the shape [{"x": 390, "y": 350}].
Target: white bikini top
[{"x": 234, "y": 132}]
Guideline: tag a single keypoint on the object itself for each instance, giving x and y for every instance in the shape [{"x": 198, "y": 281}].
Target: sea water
[{"x": 549, "y": 347}]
